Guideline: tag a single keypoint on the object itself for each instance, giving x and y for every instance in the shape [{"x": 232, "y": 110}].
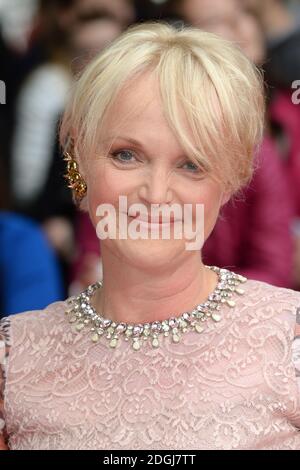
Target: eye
[
  {"x": 191, "y": 167},
  {"x": 123, "y": 156}
]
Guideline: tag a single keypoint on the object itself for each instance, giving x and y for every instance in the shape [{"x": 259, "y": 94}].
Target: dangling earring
[{"x": 74, "y": 178}]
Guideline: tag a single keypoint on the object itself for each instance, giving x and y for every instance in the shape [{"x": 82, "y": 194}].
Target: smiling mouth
[{"x": 146, "y": 219}]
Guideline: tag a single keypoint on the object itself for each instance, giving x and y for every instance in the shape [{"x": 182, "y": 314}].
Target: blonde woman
[{"x": 165, "y": 353}]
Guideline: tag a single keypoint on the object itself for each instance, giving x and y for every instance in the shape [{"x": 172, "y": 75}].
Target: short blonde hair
[{"x": 194, "y": 68}]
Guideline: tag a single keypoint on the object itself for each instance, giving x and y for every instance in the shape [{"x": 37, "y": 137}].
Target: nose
[{"x": 155, "y": 187}]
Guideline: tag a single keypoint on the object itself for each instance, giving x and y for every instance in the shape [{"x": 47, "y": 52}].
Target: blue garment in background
[{"x": 30, "y": 278}]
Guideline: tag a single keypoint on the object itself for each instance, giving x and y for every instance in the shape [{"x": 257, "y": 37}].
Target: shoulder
[
  {"x": 272, "y": 306},
  {"x": 52, "y": 313},
  {"x": 38, "y": 335},
  {"x": 35, "y": 342},
  {"x": 50, "y": 321},
  {"x": 263, "y": 292}
]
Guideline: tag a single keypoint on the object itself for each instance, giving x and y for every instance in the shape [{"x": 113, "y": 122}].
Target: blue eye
[
  {"x": 123, "y": 156},
  {"x": 192, "y": 167}
]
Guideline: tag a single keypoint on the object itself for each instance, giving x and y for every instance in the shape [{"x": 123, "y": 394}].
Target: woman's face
[
  {"x": 229, "y": 19},
  {"x": 144, "y": 162},
  {"x": 90, "y": 38}
]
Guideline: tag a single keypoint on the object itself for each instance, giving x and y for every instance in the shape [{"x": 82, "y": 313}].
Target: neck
[{"x": 133, "y": 295}]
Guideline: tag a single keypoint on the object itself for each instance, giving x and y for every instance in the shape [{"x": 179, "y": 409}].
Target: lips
[{"x": 154, "y": 220}]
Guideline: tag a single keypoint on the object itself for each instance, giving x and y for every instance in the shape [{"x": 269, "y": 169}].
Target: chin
[{"x": 152, "y": 253}]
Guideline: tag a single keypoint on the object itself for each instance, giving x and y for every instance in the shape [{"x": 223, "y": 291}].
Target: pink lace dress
[{"x": 234, "y": 386}]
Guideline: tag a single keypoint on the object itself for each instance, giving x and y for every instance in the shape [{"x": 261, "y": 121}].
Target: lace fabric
[
  {"x": 235, "y": 386},
  {"x": 4, "y": 352}
]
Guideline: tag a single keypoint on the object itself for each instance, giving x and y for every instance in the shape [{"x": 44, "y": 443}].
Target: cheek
[
  {"x": 99, "y": 191},
  {"x": 211, "y": 211},
  {"x": 105, "y": 185},
  {"x": 210, "y": 197}
]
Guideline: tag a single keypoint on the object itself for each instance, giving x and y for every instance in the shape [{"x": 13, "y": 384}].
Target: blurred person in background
[
  {"x": 40, "y": 101},
  {"x": 281, "y": 25},
  {"x": 29, "y": 271},
  {"x": 17, "y": 17},
  {"x": 69, "y": 32},
  {"x": 30, "y": 274},
  {"x": 227, "y": 18},
  {"x": 93, "y": 31},
  {"x": 262, "y": 249},
  {"x": 282, "y": 29},
  {"x": 39, "y": 104},
  {"x": 4, "y": 77},
  {"x": 122, "y": 10}
]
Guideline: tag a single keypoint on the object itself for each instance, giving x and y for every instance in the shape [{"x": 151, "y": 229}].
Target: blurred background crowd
[{"x": 48, "y": 249}]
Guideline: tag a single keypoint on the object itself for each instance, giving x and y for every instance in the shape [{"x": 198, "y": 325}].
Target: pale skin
[
  {"x": 274, "y": 16},
  {"x": 148, "y": 280},
  {"x": 122, "y": 9},
  {"x": 230, "y": 20},
  {"x": 222, "y": 16}
]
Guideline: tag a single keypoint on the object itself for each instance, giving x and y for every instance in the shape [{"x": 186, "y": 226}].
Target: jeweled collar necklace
[{"x": 83, "y": 315}]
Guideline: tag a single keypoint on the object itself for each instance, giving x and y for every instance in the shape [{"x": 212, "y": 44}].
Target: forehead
[
  {"x": 138, "y": 104},
  {"x": 138, "y": 113},
  {"x": 140, "y": 109}
]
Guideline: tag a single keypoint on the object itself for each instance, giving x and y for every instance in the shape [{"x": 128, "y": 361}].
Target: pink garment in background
[
  {"x": 253, "y": 234},
  {"x": 287, "y": 115}
]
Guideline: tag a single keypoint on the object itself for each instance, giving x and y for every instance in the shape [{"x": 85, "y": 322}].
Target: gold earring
[{"x": 74, "y": 178}]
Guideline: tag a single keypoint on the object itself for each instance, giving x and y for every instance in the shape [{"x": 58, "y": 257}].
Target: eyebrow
[{"x": 120, "y": 137}]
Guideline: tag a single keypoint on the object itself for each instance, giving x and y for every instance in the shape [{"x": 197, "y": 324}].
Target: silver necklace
[{"x": 83, "y": 315}]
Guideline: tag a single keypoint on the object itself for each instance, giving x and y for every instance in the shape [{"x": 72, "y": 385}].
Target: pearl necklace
[{"x": 83, "y": 315}]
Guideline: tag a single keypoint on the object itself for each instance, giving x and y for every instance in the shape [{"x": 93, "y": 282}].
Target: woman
[
  {"x": 167, "y": 353},
  {"x": 255, "y": 227}
]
